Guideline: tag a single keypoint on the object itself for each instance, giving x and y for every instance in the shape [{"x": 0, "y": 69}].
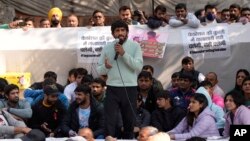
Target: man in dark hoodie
[
  {"x": 167, "y": 116},
  {"x": 159, "y": 18}
]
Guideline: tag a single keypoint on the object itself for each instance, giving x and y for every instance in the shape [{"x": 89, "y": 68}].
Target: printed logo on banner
[
  {"x": 153, "y": 43},
  {"x": 206, "y": 42},
  {"x": 91, "y": 41},
  {"x": 239, "y": 132}
]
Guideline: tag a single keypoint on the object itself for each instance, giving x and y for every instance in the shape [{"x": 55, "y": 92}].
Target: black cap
[{"x": 50, "y": 90}]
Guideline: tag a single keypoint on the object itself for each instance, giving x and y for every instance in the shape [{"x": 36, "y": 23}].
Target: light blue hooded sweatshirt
[{"x": 218, "y": 111}]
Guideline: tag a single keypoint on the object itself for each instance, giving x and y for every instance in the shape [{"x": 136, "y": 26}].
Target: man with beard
[
  {"x": 84, "y": 112},
  {"x": 55, "y": 17},
  {"x": 183, "y": 17},
  {"x": 145, "y": 89},
  {"x": 98, "y": 89},
  {"x": 48, "y": 112},
  {"x": 159, "y": 18},
  {"x": 125, "y": 15},
  {"x": 15, "y": 111},
  {"x": 20, "y": 109},
  {"x": 234, "y": 10},
  {"x": 120, "y": 61}
]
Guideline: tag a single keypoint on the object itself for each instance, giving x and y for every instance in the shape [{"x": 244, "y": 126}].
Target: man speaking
[{"x": 121, "y": 91}]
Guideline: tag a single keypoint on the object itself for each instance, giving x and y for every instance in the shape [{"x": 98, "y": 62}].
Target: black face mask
[
  {"x": 210, "y": 17},
  {"x": 55, "y": 22}
]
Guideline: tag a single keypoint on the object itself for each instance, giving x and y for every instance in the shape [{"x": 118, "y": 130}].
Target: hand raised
[{"x": 107, "y": 63}]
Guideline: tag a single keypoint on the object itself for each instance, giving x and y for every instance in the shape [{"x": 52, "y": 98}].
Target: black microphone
[{"x": 119, "y": 41}]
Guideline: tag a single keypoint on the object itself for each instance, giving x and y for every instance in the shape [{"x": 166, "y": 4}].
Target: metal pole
[{"x": 153, "y": 5}]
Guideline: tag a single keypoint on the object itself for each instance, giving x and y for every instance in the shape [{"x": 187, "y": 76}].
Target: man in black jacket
[
  {"x": 145, "y": 88},
  {"x": 48, "y": 112},
  {"x": 84, "y": 112},
  {"x": 159, "y": 18},
  {"x": 167, "y": 116}
]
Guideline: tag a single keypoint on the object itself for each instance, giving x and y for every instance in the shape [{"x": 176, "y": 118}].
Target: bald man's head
[
  {"x": 161, "y": 136},
  {"x": 146, "y": 132},
  {"x": 86, "y": 133},
  {"x": 212, "y": 77}
]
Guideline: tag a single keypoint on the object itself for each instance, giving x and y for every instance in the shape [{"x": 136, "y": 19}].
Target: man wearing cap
[
  {"x": 33, "y": 96},
  {"x": 48, "y": 112},
  {"x": 55, "y": 17}
]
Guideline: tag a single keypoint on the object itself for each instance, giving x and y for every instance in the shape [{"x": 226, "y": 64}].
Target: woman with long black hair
[{"x": 200, "y": 120}]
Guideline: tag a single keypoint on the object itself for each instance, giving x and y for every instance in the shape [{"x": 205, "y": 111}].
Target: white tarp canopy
[{"x": 110, "y": 7}]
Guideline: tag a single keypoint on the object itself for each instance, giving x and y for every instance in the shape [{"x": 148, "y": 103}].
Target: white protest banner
[
  {"x": 40, "y": 50},
  {"x": 90, "y": 43},
  {"x": 92, "y": 40},
  {"x": 206, "y": 42},
  {"x": 153, "y": 43}
]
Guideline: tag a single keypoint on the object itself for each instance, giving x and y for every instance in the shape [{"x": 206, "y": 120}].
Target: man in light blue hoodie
[{"x": 120, "y": 61}]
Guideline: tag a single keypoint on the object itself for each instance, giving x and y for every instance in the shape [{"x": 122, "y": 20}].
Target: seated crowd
[{"x": 193, "y": 106}]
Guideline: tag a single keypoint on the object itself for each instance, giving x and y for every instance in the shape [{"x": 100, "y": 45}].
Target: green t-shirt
[{"x": 4, "y": 26}]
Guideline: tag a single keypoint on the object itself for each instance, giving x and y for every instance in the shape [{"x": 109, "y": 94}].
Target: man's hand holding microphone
[{"x": 119, "y": 49}]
